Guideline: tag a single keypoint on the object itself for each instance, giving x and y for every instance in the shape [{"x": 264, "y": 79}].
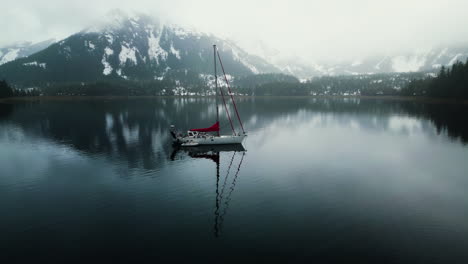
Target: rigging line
[
  {"x": 228, "y": 197},
  {"x": 227, "y": 111},
  {"x": 225, "y": 178},
  {"x": 216, "y": 83},
  {"x": 230, "y": 92}
]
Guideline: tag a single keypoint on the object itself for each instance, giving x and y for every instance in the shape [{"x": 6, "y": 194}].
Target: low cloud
[{"x": 313, "y": 30}]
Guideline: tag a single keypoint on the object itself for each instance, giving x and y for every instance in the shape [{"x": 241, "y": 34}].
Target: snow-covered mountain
[
  {"x": 132, "y": 47},
  {"x": 429, "y": 60},
  {"x": 22, "y": 49},
  {"x": 138, "y": 47}
]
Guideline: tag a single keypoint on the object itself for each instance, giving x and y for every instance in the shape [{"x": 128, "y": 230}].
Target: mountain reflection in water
[{"x": 135, "y": 130}]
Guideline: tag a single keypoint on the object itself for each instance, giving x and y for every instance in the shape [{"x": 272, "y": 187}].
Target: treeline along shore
[{"x": 451, "y": 83}]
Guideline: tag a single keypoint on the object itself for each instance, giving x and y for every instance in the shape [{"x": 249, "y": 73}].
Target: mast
[
  {"x": 216, "y": 85},
  {"x": 230, "y": 93}
]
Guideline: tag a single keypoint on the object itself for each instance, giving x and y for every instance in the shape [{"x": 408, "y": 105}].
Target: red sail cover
[{"x": 213, "y": 128}]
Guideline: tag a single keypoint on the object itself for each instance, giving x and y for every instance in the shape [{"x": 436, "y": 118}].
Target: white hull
[{"x": 210, "y": 140}]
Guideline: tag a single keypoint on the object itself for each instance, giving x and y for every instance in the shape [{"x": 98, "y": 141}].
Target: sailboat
[{"x": 211, "y": 135}]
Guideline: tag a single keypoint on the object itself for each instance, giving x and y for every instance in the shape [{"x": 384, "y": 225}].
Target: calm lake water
[{"x": 320, "y": 180}]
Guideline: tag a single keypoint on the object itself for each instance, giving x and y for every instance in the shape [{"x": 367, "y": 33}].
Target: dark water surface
[{"x": 321, "y": 180}]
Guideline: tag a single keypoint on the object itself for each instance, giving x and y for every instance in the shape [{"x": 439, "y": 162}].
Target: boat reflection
[{"x": 223, "y": 191}]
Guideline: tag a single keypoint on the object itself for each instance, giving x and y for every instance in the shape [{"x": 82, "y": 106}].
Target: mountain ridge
[
  {"x": 417, "y": 61},
  {"x": 22, "y": 49},
  {"x": 135, "y": 46},
  {"x": 132, "y": 48}
]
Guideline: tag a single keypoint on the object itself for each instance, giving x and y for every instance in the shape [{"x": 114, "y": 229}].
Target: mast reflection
[{"x": 223, "y": 195}]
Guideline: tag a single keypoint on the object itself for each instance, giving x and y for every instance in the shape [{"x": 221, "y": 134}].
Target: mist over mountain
[
  {"x": 429, "y": 60},
  {"x": 132, "y": 47},
  {"x": 22, "y": 49},
  {"x": 136, "y": 47}
]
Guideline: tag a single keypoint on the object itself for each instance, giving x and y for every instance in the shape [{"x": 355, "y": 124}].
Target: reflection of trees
[
  {"x": 447, "y": 118},
  {"x": 131, "y": 131},
  {"x": 135, "y": 130},
  {"x": 5, "y": 110}
]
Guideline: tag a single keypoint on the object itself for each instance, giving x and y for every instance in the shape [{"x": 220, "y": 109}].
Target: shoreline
[{"x": 92, "y": 98}]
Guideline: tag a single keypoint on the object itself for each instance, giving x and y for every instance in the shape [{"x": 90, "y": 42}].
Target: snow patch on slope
[
  {"x": 108, "y": 51},
  {"x": 107, "y": 67},
  {"x": 12, "y": 54},
  {"x": 455, "y": 59},
  {"x": 209, "y": 80},
  {"x": 127, "y": 54},
  {"x": 174, "y": 51},
  {"x": 236, "y": 55},
  {"x": 408, "y": 64},
  {"x": 155, "y": 51},
  {"x": 119, "y": 72},
  {"x": 109, "y": 38},
  {"x": 90, "y": 45},
  {"x": 183, "y": 33},
  {"x": 34, "y": 63},
  {"x": 442, "y": 53},
  {"x": 377, "y": 66}
]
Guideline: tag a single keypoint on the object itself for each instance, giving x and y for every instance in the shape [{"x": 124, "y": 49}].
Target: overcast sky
[{"x": 313, "y": 30}]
